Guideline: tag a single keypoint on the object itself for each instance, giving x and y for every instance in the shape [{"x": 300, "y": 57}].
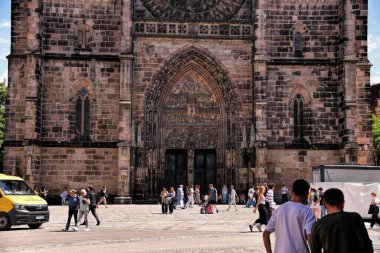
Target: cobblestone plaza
[{"x": 142, "y": 228}]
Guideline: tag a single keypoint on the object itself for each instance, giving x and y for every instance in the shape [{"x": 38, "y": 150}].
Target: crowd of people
[
  {"x": 312, "y": 220},
  {"x": 82, "y": 204}
]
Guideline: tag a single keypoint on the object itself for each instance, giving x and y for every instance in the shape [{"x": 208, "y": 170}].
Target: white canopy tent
[{"x": 357, "y": 195}]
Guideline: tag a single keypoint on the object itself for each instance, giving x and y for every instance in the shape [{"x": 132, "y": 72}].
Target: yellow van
[{"x": 19, "y": 205}]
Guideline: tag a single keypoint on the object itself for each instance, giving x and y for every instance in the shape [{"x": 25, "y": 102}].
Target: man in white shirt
[
  {"x": 284, "y": 194},
  {"x": 292, "y": 223}
]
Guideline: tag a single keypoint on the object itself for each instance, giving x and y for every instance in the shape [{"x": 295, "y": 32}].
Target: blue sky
[{"x": 373, "y": 37}]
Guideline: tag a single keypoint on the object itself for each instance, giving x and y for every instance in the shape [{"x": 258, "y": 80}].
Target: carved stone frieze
[
  {"x": 198, "y": 138},
  {"x": 217, "y": 10}
]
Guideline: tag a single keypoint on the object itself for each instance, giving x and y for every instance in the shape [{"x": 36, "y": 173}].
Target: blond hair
[{"x": 261, "y": 189}]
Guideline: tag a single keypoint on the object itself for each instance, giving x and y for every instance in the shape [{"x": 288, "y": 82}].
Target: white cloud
[
  {"x": 5, "y": 24},
  {"x": 4, "y": 76},
  {"x": 375, "y": 79},
  {"x": 373, "y": 42}
]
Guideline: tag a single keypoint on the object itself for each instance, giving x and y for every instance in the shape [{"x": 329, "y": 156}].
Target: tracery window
[
  {"x": 298, "y": 118},
  {"x": 83, "y": 113},
  {"x": 83, "y": 31}
]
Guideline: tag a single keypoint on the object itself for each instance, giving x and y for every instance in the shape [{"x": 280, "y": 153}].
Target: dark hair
[
  {"x": 333, "y": 197},
  {"x": 270, "y": 186},
  {"x": 91, "y": 187},
  {"x": 301, "y": 187}
]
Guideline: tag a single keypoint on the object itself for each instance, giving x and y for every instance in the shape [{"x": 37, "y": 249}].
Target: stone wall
[
  {"x": 61, "y": 80},
  {"x": 78, "y": 167},
  {"x": 318, "y": 87},
  {"x": 286, "y": 165},
  {"x": 63, "y": 20}
]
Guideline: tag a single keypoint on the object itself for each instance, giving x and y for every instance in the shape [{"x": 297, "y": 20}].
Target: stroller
[{"x": 205, "y": 207}]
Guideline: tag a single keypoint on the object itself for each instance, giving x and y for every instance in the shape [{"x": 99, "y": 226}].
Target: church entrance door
[
  {"x": 205, "y": 168},
  {"x": 175, "y": 168}
]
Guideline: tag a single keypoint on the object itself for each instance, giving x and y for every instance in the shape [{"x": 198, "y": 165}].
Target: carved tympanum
[{"x": 191, "y": 103}]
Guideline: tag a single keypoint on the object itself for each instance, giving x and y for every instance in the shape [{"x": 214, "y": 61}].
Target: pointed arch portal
[{"x": 190, "y": 122}]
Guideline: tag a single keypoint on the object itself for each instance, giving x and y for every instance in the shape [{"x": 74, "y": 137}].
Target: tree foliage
[{"x": 376, "y": 135}]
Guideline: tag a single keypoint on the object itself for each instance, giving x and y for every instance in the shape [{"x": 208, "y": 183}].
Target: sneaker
[
  {"x": 65, "y": 229},
  {"x": 251, "y": 228},
  {"x": 87, "y": 229},
  {"x": 75, "y": 228},
  {"x": 98, "y": 223},
  {"x": 217, "y": 211},
  {"x": 97, "y": 206},
  {"x": 258, "y": 226}
]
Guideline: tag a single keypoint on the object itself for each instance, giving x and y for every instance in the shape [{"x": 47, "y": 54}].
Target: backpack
[{"x": 209, "y": 209}]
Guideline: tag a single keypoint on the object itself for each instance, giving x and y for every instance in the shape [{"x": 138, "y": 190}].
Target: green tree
[{"x": 376, "y": 135}]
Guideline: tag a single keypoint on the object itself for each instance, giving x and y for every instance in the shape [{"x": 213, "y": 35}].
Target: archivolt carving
[
  {"x": 200, "y": 59},
  {"x": 195, "y": 10}
]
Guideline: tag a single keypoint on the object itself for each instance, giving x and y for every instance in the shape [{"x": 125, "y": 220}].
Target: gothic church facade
[{"x": 141, "y": 94}]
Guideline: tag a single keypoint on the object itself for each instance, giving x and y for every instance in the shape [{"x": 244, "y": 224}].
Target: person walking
[
  {"x": 171, "y": 199},
  {"x": 84, "y": 208},
  {"x": 263, "y": 215},
  {"x": 233, "y": 197},
  {"x": 339, "y": 231},
  {"x": 74, "y": 204},
  {"x": 374, "y": 210},
  {"x": 103, "y": 196},
  {"x": 213, "y": 197},
  {"x": 315, "y": 203},
  {"x": 269, "y": 201},
  {"x": 197, "y": 195},
  {"x": 250, "y": 201},
  {"x": 180, "y": 196},
  {"x": 63, "y": 196},
  {"x": 164, "y": 202},
  {"x": 190, "y": 197},
  {"x": 284, "y": 194},
  {"x": 224, "y": 194},
  {"x": 91, "y": 195},
  {"x": 321, "y": 202},
  {"x": 292, "y": 223}
]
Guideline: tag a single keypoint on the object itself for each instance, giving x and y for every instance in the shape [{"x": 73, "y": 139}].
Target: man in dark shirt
[{"x": 339, "y": 231}]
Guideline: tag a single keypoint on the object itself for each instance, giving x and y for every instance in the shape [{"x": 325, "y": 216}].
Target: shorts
[{"x": 212, "y": 202}]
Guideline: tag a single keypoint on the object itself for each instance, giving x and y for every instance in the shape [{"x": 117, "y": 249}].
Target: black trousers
[
  {"x": 72, "y": 212},
  {"x": 375, "y": 218},
  {"x": 263, "y": 215},
  {"x": 171, "y": 206},
  {"x": 93, "y": 211},
  {"x": 284, "y": 198},
  {"x": 164, "y": 207}
]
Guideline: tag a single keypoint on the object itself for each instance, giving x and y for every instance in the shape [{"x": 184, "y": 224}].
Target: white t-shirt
[
  {"x": 284, "y": 190},
  {"x": 291, "y": 222},
  {"x": 232, "y": 194}
]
